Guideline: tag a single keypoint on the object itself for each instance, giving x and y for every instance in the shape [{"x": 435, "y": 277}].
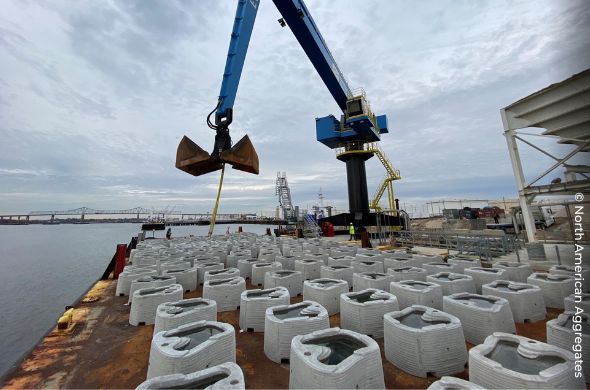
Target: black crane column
[{"x": 356, "y": 176}]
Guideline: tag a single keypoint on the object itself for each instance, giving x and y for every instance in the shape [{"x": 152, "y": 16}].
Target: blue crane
[{"x": 351, "y": 131}]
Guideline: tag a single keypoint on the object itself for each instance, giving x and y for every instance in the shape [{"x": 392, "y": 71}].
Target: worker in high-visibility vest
[{"x": 351, "y": 231}]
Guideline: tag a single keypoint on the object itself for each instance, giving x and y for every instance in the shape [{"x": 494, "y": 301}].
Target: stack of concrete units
[
  {"x": 452, "y": 383},
  {"x": 204, "y": 267},
  {"x": 282, "y": 323},
  {"x": 421, "y": 340},
  {"x": 170, "y": 315},
  {"x": 343, "y": 272},
  {"x": 287, "y": 261},
  {"x": 335, "y": 359},
  {"x": 234, "y": 257},
  {"x": 326, "y": 292},
  {"x": 563, "y": 331},
  {"x": 452, "y": 283},
  {"x": 394, "y": 263},
  {"x": 480, "y": 315},
  {"x": 418, "y": 260},
  {"x": 191, "y": 347},
  {"x": 150, "y": 282},
  {"x": 582, "y": 274},
  {"x": 226, "y": 292},
  {"x": 359, "y": 266},
  {"x": 464, "y": 262},
  {"x": 407, "y": 273},
  {"x": 415, "y": 292},
  {"x": 245, "y": 267},
  {"x": 146, "y": 301},
  {"x": 363, "y": 311},
  {"x": 434, "y": 268},
  {"x": 526, "y": 300},
  {"x": 254, "y": 303},
  {"x": 260, "y": 269},
  {"x": 310, "y": 269},
  {"x": 582, "y": 301},
  {"x": 341, "y": 260},
  {"x": 187, "y": 278},
  {"x": 516, "y": 272},
  {"x": 127, "y": 277},
  {"x": 506, "y": 361},
  {"x": 555, "y": 287},
  {"x": 225, "y": 273},
  {"x": 291, "y": 280},
  {"x": 483, "y": 276},
  {"x": 224, "y": 376},
  {"x": 367, "y": 280}
]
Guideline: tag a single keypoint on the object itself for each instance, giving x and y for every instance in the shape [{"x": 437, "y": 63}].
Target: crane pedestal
[{"x": 356, "y": 177}]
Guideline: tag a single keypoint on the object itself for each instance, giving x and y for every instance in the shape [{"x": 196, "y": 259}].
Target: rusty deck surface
[{"x": 103, "y": 351}]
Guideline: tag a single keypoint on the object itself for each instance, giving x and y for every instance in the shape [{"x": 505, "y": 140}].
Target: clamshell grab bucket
[{"x": 194, "y": 160}]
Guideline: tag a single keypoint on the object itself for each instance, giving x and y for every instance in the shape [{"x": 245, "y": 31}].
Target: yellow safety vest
[{"x": 351, "y": 229}]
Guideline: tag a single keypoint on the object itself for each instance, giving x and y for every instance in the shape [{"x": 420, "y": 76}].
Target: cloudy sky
[{"x": 96, "y": 95}]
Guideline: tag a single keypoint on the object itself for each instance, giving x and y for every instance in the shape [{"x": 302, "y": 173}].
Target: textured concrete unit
[
  {"x": 225, "y": 292},
  {"x": 359, "y": 266},
  {"x": 326, "y": 292},
  {"x": 516, "y": 272},
  {"x": 464, "y": 262},
  {"x": 146, "y": 301},
  {"x": 570, "y": 270},
  {"x": 483, "y": 276},
  {"x": 563, "y": 330},
  {"x": 452, "y": 283},
  {"x": 407, "y": 273},
  {"x": 254, "y": 303},
  {"x": 416, "y": 292},
  {"x": 343, "y": 272},
  {"x": 555, "y": 287},
  {"x": 506, "y": 361},
  {"x": 282, "y": 323},
  {"x": 224, "y": 376},
  {"x": 150, "y": 281},
  {"x": 310, "y": 269},
  {"x": 421, "y": 340},
  {"x": 391, "y": 262},
  {"x": 321, "y": 257},
  {"x": 260, "y": 269},
  {"x": 204, "y": 267},
  {"x": 371, "y": 256},
  {"x": 480, "y": 315},
  {"x": 526, "y": 300},
  {"x": 434, "y": 268},
  {"x": 287, "y": 261},
  {"x": 341, "y": 260},
  {"x": 170, "y": 315},
  {"x": 363, "y": 311},
  {"x": 367, "y": 280},
  {"x": 128, "y": 275},
  {"x": 233, "y": 258},
  {"x": 164, "y": 266},
  {"x": 335, "y": 359},
  {"x": 570, "y": 303},
  {"x": 192, "y": 347},
  {"x": 418, "y": 260},
  {"x": 187, "y": 278},
  {"x": 225, "y": 273},
  {"x": 291, "y": 280},
  {"x": 452, "y": 383}
]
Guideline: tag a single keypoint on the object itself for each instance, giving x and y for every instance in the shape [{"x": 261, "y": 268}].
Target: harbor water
[{"x": 47, "y": 267}]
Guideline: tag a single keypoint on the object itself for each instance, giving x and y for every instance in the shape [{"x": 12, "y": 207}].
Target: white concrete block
[
  {"x": 254, "y": 303},
  {"x": 326, "y": 292},
  {"x": 187, "y": 278},
  {"x": 245, "y": 267},
  {"x": 342, "y": 272},
  {"x": 516, "y": 272},
  {"x": 363, "y": 311},
  {"x": 221, "y": 377},
  {"x": 391, "y": 262},
  {"x": 282, "y": 323},
  {"x": 579, "y": 273},
  {"x": 146, "y": 301},
  {"x": 416, "y": 292},
  {"x": 452, "y": 283},
  {"x": 127, "y": 277},
  {"x": 422, "y": 340},
  {"x": 150, "y": 281},
  {"x": 204, "y": 267},
  {"x": 170, "y": 315},
  {"x": 555, "y": 287},
  {"x": 583, "y": 302},
  {"x": 407, "y": 273},
  {"x": 225, "y": 292},
  {"x": 225, "y": 273},
  {"x": 341, "y": 260},
  {"x": 483, "y": 276},
  {"x": 287, "y": 261},
  {"x": 291, "y": 280},
  {"x": 480, "y": 315},
  {"x": 260, "y": 269},
  {"x": 464, "y": 262},
  {"x": 563, "y": 331},
  {"x": 367, "y": 280},
  {"x": 335, "y": 359},
  {"x": 191, "y": 347},
  {"x": 310, "y": 269},
  {"x": 506, "y": 361},
  {"x": 359, "y": 266},
  {"x": 526, "y": 300},
  {"x": 452, "y": 383},
  {"x": 434, "y": 268},
  {"x": 418, "y": 260}
]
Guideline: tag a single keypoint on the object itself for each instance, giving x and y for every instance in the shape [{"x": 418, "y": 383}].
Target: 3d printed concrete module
[
  {"x": 146, "y": 301},
  {"x": 433, "y": 268},
  {"x": 282, "y": 323},
  {"x": 359, "y": 266},
  {"x": 224, "y": 376},
  {"x": 260, "y": 269},
  {"x": 422, "y": 340},
  {"x": 170, "y": 315},
  {"x": 516, "y": 272},
  {"x": 343, "y": 272},
  {"x": 150, "y": 281},
  {"x": 452, "y": 283},
  {"x": 526, "y": 300},
  {"x": 363, "y": 311},
  {"x": 291, "y": 280},
  {"x": 225, "y": 273},
  {"x": 192, "y": 347},
  {"x": 310, "y": 269},
  {"x": 506, "y": 361},
  {"x": 415, "y": 292},
  {"x": 463, "y": 262},
  {"x": 483, "y": 276},
  {"x": 326, "y": 292},
  {"x": 555, "y": 287},
  {"x": 452, "y": 383},
  {"x": 367, "y": 280},
  {"x": 254, "y": 304},
  {"x": 582, "y": 301},
  {"x": 563, "y": 331},
  {"x": 407, "y": 273},
  {"x": 227, "y": 293},
  {"x": 335, "y": 359}
]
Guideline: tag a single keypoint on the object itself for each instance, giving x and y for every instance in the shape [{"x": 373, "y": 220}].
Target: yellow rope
[{"x": 212, "y": 225}]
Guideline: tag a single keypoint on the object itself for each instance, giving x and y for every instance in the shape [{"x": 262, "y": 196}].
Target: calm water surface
[{"x": 44, "y": 268}]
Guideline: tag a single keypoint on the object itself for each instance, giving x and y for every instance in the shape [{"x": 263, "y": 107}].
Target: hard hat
[{"x": 351, "y": 223}]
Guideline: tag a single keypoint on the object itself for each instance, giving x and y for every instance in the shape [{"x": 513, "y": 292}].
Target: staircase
[
  {"x": 311, "y": 229},
  {"x": 284, "y": 193},
  {"x": 391, "y": 175}
]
